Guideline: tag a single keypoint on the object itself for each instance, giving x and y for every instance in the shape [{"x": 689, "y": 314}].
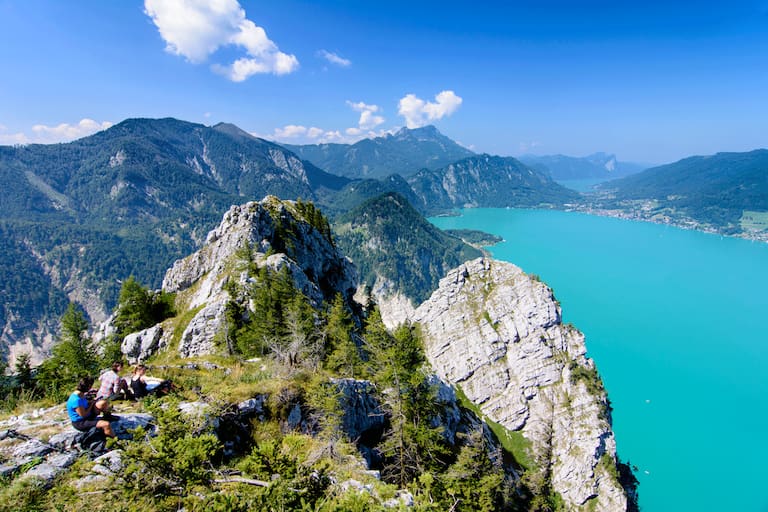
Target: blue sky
[{"x": 649, "y": 81}]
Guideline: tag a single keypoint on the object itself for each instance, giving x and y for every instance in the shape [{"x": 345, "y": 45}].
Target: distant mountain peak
[
  {"x": 233, "y": 130},
  {"x": 599, "y": 165},
  {"x": 405, "y": 152},
  {"x": 428, "y": 131}
]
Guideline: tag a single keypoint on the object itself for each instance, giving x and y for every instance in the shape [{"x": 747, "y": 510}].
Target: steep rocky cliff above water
[{"x": 497, "y": 334}]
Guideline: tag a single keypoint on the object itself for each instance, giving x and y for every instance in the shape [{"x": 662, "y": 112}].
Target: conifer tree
[
  {"x": 343, "y": 355},
  {"x": 72, "y": 357},
  {"x": 139, "y": 308},
  {"x": 413, "y": 445},
  {"x": 134, "y": 307},
  {"x": 23, "y": 370}
]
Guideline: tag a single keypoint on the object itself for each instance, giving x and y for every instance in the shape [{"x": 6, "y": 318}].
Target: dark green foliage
[
  {"x": 284, "y": 325},
  {"x": 475, "y": 481},
  {"x": 490, "y": 182},
  {"x": 343, "y": 355},
  {"x": 474, "y": 236},
  {"x": 173, "y": 462},
  {"x": 73, "y": 357},
  {"x": 138, "y": 308},
  {"x": 25, "y": 287},
  {"x": 23, "y": 371},
  {"x": 315, "y": 218},
  {"x": 358, "y": 192},
  {"x": 413, "y": 446},
  {"x": 386, "y": 236},
  {"x": 588, "y": 376}
]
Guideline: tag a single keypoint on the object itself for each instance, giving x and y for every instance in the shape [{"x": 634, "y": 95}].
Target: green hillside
[
  {"x": 488, "y": 181},
  {"x": 79, "y": 217},
  {"x": 716, "y": 190},
  {"x": 385, "y": 236}
]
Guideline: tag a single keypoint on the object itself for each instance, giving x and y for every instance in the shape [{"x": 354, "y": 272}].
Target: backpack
[{"x": 94, "y": 441}]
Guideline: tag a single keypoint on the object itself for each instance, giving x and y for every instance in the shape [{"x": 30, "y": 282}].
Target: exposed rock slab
[{"x": 497, "y": 334}]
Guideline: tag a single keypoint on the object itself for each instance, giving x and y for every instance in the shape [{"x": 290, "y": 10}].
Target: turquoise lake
[{"x": 676, "y": 322}]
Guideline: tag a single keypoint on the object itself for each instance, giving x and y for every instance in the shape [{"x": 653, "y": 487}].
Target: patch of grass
[
  {"x": 513, "y": 442},
  {"x": 607, "y": 463},
  {"x": 179, "y": 323},
  {"x": 754, "y": 221},
  {"x": 589, "y": 377}
]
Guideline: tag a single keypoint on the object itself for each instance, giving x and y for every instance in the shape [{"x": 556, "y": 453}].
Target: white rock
[{"x": 497, "y": 333}]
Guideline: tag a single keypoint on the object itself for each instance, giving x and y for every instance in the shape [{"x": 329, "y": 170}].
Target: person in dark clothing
[{"x": 142, "y": 386}]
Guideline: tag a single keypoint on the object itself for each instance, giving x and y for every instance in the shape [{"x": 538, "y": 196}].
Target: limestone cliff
[
  {"x": 496, "y": 334},
  {"x": 275, "y": 234}
]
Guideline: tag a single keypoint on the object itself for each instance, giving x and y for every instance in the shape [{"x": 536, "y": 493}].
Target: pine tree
[
  {"x": 134, "y": 309},
  {"x": 343, "y": 355},
  {"x": 413, "y": 446},
  {"x": 23, "y": 369},
  {"x": 138, "y": 308},
  {"x": 476, "y": 480},
  {"x": 74, "y": 356}
]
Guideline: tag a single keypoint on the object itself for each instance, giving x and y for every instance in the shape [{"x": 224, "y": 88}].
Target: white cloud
[
  {"x": 298, "y": 134},
  {"x": 11, "y": 139},
  {"x": 195, "y": 29},
  {"x": 335, "y": 58},
  {"x": 418, "y": 112},
  {"x": 333, "y": 136},
  {"x": 368, "y": 120},
  {"x": 315, "y": 132},
  {"x": 290, "y": 131},
  {"x": 64, "y": 132}
]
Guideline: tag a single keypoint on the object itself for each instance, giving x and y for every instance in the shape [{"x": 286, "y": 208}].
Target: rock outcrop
[
  {"x": 138, "y": 346},
  {"x": 497, "y": 334},
  {"x": 276, "y": 235}
]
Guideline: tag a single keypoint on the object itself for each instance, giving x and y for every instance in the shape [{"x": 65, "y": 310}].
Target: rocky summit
[
  {"x": 496, "y": 333},
  {"x": 277, "y": 236}
]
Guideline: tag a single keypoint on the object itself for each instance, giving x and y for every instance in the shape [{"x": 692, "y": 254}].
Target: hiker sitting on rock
[
  {"x": 84, "y": 412},
  {"x": 141, "y": 385},
  {"x": 113, "y": 387}
]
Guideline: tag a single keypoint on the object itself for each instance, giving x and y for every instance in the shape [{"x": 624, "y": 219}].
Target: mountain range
[
  {"x": 409, "y": 261},
  {"x": 725, "y": 192},
  {"x": 598, "y": 166},
  {"x": 405, "y": 153},
  {"x": 78, "y": 218}
]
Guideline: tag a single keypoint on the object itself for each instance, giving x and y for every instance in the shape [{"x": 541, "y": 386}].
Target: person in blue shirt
[{"x": 84, "y": 413}]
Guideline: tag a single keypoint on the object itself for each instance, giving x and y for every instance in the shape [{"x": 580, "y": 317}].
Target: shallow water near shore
[{"x": 675, "y": 321}]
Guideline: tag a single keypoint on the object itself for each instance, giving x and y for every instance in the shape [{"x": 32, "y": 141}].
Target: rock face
[
  {"x": 278, "y": 236},
  {"x": 138, "y": 346},
  {"x": 496, "y": 333}
]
